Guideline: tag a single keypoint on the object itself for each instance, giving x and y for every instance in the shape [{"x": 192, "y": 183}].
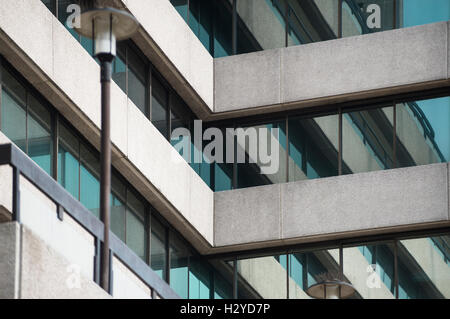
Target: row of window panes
[
  {"x": 376, "y": 138},
  {"x": 423, "y": 270},
  {"x": 269, "y": 24},
  {"x": 28, "y": 121}
]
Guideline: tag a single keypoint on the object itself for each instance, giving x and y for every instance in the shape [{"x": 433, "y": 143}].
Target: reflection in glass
[
  {"x": 159, "y": 106},
  {"x": 261, "y": 154},
  {"x": 423, "y": 132},
  {"x": 367, "y": 140},
  {"x": 313, "y": 145},
  {"x": 179, "y": 255},
  {"x": 199, "y": 280},
  {"x": 158, "y": 248},
  {"x": 89, "y": 180},
  {"x": 39, "y": 135},
  {"x": 423, "y": 268},
  {"x": 135, "y": 225}
]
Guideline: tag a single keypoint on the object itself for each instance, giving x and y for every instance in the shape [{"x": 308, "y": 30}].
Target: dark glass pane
[
  {"x": 159, "y": 106},
  {"x": 135, "y": 231},
  {"x": 313, "y": 147},
  {"x": 222, "y": 21},
  {"x": 179, "y": 254},
  {"x": 89, "y": 180},
  {"x": 265, "y": 155},
  {"x": 119, "y": 67},
  {"x": 118, "y": 207},
  {"x": 68, "y": 161},
  {"x": 223, "y": 288},
  {"x": 200, "y": 277},
  {"x": 137, "y": 75},
  {"x": 13, "y": 110},
  {"x": 423, "y": 132},
  {"x": 158, "y": 248},
  {"x": 367, "y": 140},
  {"x": 39, "y": 134}
]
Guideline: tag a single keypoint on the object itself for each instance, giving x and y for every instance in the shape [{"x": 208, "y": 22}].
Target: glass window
[
  {"x": 423, "y": 268},
  {"x": 179, "y": 255},
  {"x": 307, "y": 268},
  {"x": 135, "y": 225},
  {"x": 313, "y": 147},
  {"x": 423, "y": 132},
  {"x": 119, "y": 67},
  {"x": 118, "y": 207},
  {"x": 261, "y": 154},
  {"x": 265, "y": 275},
  {"x": 367, "y": 140},
  {"x": 39, "y": 134},
  {"x": 200, "y": 277},
  {"x": 370, "y": 268},
  {"x": 311, "y": 21},
  {"x": 89, "y": 180},
  {"x": 159, "y": 106},
  {"x": 68, "y": 161},
  {"x": 13, "y": 112},
  {"x": 137, "y": 79},
  {"x": 223, "y": 289},
  {"x": 261, "y": 25},
  {"x": 158, "y": 248}
]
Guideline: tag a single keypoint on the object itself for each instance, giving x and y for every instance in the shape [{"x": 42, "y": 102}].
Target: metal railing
[{"x": 24, "y": 166}]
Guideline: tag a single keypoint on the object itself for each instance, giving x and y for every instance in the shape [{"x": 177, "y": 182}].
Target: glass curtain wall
[
  {"x": 417, "y": 268},
  {"x": 270, "y": 24},
  {"x": 359, "y": 139}
]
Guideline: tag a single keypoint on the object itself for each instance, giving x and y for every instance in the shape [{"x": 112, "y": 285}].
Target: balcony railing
[{"x": 23, "y": 166}]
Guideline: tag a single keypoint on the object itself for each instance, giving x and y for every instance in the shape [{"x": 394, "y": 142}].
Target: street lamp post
[{"x": 105, "y": 26}]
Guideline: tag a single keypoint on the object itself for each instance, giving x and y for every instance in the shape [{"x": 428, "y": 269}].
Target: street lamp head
[
  {"x": 331, "y": 289},
  {"x": 106, "y": 26},
  {"x": 330, "y": 286}
]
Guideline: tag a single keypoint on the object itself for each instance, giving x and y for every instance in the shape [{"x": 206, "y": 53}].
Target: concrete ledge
[
  {"x": 400, "y": 199},
  {"x": 331, "y": 71}
]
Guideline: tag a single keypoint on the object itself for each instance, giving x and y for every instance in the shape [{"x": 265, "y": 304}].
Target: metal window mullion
[
  {"x": 167, "y": 248},
  {"x": 26, "y": 121},
  {"x": 286, "y": 24},
  {"x": 16, "y": 195},
  {"x": 148, "y": 233},
  {"x": 396, "y": 269},
  {"x": 235, "y": 279},
  {"x": 55, "y": 145}
]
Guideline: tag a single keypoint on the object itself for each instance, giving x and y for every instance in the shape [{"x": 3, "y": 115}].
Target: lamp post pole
[
  {"x": 105, "y": 26},
  {"x": 105, "y": 174}
]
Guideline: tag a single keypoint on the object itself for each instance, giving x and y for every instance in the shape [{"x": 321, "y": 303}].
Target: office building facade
[{"x": 316, "y": 140}]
